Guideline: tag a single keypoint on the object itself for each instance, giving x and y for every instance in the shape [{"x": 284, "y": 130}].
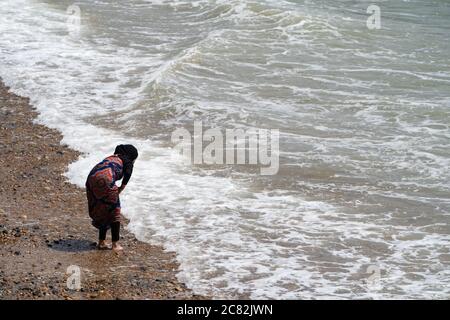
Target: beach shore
[{"x": 45, "y": 227}]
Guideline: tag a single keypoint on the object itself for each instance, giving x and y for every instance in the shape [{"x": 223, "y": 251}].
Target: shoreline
[{"x": 45, "y": 227}]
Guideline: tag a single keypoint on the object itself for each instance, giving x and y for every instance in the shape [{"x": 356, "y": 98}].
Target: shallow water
[{"x": 364, "y": 120}]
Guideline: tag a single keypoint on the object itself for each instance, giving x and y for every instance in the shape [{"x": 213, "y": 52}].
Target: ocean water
[{"x": 360, "y": 206}]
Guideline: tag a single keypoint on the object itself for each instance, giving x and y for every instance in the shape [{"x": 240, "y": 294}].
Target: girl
[{"x": 103, "y": 194}]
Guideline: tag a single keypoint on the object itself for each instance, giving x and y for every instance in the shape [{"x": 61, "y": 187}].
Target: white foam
[{"x": 230, "y": 240}]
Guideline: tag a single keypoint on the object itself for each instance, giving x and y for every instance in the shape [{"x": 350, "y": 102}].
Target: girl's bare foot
[
  {"x": 102, "y": 245},
  {"x": 117, "y": 247}
]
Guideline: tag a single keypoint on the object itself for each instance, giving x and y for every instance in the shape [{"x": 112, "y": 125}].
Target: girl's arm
[{"x": 128, "y": 171}]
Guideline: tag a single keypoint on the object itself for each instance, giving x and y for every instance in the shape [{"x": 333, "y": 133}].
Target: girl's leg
[
  {"x": 101, "y": 239},
  {"x": 115, "y": 233}
]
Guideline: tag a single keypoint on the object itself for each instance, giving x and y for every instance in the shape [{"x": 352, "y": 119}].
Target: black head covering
[
  {"x": 127, "y": 150},
  {"x": 128, "y": 154}
]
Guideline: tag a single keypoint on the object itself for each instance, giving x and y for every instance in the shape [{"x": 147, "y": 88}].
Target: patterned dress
[{"x": 102, "y": 192}]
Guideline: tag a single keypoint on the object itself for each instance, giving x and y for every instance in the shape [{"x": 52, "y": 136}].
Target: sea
[{"x": 358, "y": 90}]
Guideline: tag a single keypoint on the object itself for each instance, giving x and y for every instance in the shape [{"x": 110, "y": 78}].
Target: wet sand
[{"x": 45, "y": 227}]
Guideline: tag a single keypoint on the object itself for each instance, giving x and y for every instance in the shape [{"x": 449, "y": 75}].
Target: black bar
[{"x": 224, "y": 309}]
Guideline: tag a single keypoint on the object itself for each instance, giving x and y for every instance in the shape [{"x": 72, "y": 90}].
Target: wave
[{"x": 307, "y": 233}]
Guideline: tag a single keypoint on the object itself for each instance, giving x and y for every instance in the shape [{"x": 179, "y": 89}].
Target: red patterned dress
[{"x": 102, "y": 192}]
